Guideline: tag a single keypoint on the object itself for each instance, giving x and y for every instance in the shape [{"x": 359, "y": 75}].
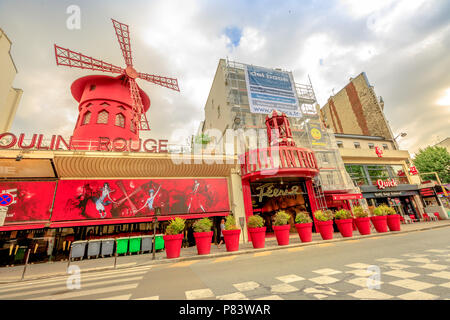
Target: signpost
[
  {"x": 6, "y": 199},
  {"x": 157, "y": 213}
]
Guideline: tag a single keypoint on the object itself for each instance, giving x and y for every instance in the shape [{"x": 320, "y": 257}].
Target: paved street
[{"x": 412, "y": 266}]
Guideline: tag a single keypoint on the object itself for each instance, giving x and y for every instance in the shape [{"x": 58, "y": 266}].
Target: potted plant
[
  {"x": 303, "y": 224},
  {"x": 344, "y": 221},
  {"x": 257, "y": 231},
  {"x": 393, "y": 219},
  {"x": 362, "y": 220},
  {"x": 281, "y": 227},
  {"x": 325, "y": 223},
  {"x": 203, "y": 235},
  {"x": 174, "y": 237},
  {"x": 231, "y": 234},
  {"x": 379, "y": 218}
]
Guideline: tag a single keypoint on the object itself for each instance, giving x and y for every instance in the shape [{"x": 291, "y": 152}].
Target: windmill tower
[{"x": 113, "y": 108}]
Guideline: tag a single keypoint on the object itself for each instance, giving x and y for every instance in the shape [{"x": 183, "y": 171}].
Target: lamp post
[
  {"x": 402, "y": 134},
  {"x": 157, "y": 213}
]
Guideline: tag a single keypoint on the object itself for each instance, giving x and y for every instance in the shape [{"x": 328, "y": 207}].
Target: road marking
[
  {"x": 262, "y": 254},
  {"x": 224, "y": 259},
  {"x": 370, "y": 294},
  {"x": 183, "y": 264},
  {"x": 148, "y": 298},
  {"x": 233, "y": 296},
  {"x": 246, "y": 286},
  {"x": 124, "y": 297},
  {"x": 289, "y": 278},
  {"x": 295, "y": 249},
  {"x": 283, "y": 288},
  {"x": 82, "y": 284},
  {"x": 82, "y": 293},
  {"x": 326, "y": 245},
  {"x": 199, "y": 294}
]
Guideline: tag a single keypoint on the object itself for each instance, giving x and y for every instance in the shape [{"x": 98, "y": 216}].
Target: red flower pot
[
  {"x": 282, "y": 234},
  {"x": 258, "y": 236},
  {"x": 393, "y": 222},
  {"x": 231, "y": 238},
  {"x": 363, "y": 225},
  {"x": 304, "y": 231},
  {"x": 345, "y": 227},
  {"x": 203, "y": 241},
  {"x": 325, "y": 229},
  {"x": 172, "y": 243},
  {"x": 379, "y": 222}
]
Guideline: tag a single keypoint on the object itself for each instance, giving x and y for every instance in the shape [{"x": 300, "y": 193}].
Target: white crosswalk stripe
[{"x": 80, "y": 294}]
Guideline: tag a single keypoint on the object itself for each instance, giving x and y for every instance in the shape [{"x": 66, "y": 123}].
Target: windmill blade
[
  {"x": 123, "y": 36},
  {"x": 170, "y": 83},
  {"x": 140, "y": 118},
  {"x": 69, "y": 58}
]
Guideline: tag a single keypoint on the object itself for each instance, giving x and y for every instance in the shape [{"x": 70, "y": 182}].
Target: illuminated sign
[
  {"x": 386, "y": 183},
  {"x": 379, "y": 152},
  {"x": 268, "y": 190},
  {"x": 57, "y": 142},
  {"x": 413, "y": 170}
]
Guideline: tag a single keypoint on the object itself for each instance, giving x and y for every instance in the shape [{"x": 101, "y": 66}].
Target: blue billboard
[{"x": 270, "y": 89}]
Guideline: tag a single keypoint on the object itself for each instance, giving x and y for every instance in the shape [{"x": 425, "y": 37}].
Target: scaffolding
[{"x": 333, "y": 175}]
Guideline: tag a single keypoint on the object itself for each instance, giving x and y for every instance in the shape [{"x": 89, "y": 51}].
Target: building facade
[{"x": 9, "y": 96}]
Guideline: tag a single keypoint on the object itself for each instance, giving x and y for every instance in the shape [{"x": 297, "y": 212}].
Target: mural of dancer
[
  {"x": 196, "y": 199},
  {"x": 100, "y": 202},
  {"x": 150, "y": 199}
]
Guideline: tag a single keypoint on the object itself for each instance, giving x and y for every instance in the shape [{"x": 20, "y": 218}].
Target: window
[
  {"x": 356, "y": 173},
  {"x": 92, "y": 87},
  {"x": 357, "y": 145},
  {"x": 340, "y": 144},
  {"x": 385, "y": 146},
  {"x": 120, "y": 120},
  {"x": 105, "y": 104},
  {"x": 371, "y": 146},
  {"x": 103, "y": 117},
  {"x": 86, "y": 118},
  {"x": 398, "y": 174},
  {"x": 377, "y": 172}
]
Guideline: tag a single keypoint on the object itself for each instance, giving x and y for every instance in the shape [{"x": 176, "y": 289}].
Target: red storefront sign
[
  {"x": 136, "y": 199},
  {"x": 413, "y": 170},
  {"x": 32, "y": 200},
  {"x": 386, "y": 183},
  {"x": 379, "y": 152},
  {"x": 350, "y": 196},
  {"x": 426, "y": 192}
]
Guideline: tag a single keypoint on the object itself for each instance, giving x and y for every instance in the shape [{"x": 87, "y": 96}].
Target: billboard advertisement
[
  {"x": 317, "y": 137},
  {"x": 106, "y": 199},
  {"x": 31, "y": 200},
  {"x": 270, "y": 89}
]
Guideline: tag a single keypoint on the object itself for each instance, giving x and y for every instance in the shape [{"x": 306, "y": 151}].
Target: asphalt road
[{"x": 400, "y": 266}]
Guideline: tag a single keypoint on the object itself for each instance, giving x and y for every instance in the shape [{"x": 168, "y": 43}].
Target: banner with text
[{"x": 270, "y": 89}]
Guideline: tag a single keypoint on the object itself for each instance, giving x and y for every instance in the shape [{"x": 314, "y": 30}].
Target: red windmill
[{"x": 99, "y": 96}]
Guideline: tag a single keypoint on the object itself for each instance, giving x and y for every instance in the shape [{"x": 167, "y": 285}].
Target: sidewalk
[{"x": 59, "y": 268}]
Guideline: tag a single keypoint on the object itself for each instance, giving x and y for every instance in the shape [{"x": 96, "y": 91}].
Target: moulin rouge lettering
[
  {"x": 57, "y": 142},
  {"x": 268, "y": 190},
  {"x": 386, "y": 183}
]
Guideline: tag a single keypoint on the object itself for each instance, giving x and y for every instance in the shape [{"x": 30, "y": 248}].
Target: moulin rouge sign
[{"x": 57, "y": 142}]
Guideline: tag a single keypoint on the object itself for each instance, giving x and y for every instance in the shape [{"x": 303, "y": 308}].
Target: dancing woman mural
[
  {"x": 100, "y": 202},
  {"x": 150, "y": 199}
]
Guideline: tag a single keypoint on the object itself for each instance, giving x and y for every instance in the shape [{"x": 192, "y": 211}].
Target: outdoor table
[
  {"x": 122, "y": 245},
  {"x": 135, "y": 244},
  {"x": 78, "y": 249},
  {"x": 94, "y": 248},
  {"x": 107, "y": 247}
]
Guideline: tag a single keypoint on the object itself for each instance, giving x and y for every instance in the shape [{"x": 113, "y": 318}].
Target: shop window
[
  {"x": 377, "y": 172},
  {"x": 371, "y": 146},
  {"x": 86, "y": 118},
  {"x": 103, "y": 117},
  {"x": 357, "y": 145},
  {"x": 120, "y": 120},
  {"x": 385, "y": 146},
  {"x": 398, "y": 173},
  {"x": 340, "y": 144},
  {"x": 357, "y": 174}
]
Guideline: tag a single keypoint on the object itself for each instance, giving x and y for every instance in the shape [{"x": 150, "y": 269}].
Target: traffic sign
[{"x": 6, "y": 199}]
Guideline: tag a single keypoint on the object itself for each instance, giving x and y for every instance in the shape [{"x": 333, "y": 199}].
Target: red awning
[
  {"x": 22, "y": 227},
  {"x": 347, "y": 196},
  {"x": 78, "y": 223}
]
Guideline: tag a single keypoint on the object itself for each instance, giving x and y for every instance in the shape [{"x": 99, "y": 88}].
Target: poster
[
  {"x": 106, "y": 199},
  {"x": 32, "y": 200},
  {"x": 270, "y": 89},
  {"x": 317, "y": 137}
]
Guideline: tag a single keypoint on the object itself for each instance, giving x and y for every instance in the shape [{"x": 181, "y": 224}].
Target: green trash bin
[
  {"x": 135, "y": 244},
  {"x": 159, "y": 242},
  {"x": 122, "y": 245}
]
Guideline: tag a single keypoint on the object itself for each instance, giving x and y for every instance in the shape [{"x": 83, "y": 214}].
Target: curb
[{"x": 223, "y": 254}]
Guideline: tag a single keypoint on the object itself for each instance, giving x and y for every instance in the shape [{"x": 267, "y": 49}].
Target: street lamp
[{"x": 403, "y": 134}]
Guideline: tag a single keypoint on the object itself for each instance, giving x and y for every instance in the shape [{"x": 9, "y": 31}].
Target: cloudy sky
[{"x": 403, "y": 46}]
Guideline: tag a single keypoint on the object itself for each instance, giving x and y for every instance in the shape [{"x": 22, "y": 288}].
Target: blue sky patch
[{"x": 234, "y": 34}]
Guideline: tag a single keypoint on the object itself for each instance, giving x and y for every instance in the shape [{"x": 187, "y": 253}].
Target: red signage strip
[
  {"x": 349, "y": 196},
  {"x": 22, "y": 227}
]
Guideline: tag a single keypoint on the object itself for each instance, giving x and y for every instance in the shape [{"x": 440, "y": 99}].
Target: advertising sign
[
  {"x": 270, "y": 89},
  {"x": 316, "y": 134},
  {"x": 105, "y": 199},
  {"x": 32, "y": 200}
]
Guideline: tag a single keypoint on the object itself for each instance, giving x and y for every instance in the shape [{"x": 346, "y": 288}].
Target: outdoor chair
[
  {"x": 413, "y": 218},
  {"x": 436, "y": 214},
  {"x": 426, "y": 217},
  {"x": 407, "y": 219}
]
